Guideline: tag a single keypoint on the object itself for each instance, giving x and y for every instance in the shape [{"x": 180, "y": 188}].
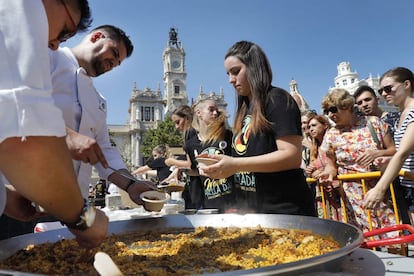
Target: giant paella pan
[{"x": 347, "y": 236}]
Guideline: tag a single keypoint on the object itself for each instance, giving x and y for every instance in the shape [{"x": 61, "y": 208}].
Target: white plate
[{"x": 206, "y": 161}]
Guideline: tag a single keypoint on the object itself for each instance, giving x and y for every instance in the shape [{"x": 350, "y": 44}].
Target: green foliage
[{"x": 165, "y": 133}]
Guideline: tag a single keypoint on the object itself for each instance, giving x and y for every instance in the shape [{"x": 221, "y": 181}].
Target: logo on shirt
[
  {"x": 241, "y": 140},
  {"x": 246, "y": 180}
]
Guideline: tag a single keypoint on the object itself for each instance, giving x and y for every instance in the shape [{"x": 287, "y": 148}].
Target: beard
[{"x": 98, "y": 67}]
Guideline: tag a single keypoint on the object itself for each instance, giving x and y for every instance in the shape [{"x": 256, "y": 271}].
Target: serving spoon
[
  {"x": 159, "y": 188},
  {"x": 130, "y": 177},
  {"x": 105, "y": 266}
]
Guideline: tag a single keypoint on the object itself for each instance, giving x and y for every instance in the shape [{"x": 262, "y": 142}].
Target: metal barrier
[{"x": 362, "y": 177}]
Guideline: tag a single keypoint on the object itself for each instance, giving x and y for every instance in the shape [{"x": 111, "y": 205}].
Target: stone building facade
[
  {"x": 349, "y": 80},
  {"x": 148, "y": 107}
]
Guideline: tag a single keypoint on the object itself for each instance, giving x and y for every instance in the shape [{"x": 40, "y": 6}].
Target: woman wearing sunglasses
[
  {"x": 351, "y": 147},
  {"x": 397, "y": 89}
]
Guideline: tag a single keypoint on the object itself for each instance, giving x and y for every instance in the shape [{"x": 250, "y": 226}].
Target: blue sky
[{"x": 304, "y": 40}]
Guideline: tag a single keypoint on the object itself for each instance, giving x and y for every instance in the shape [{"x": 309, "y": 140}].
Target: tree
[{"x": 165, "y": 133}]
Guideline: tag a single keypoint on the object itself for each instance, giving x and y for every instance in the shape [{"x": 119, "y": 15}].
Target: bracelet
[{"x": 129, "y": 185}]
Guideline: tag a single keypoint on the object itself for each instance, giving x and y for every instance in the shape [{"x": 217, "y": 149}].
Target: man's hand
[
  {"x": 84, "y": 148},
  {"x": 94, "y": 235},
  {"x": 20, "y": 208}
]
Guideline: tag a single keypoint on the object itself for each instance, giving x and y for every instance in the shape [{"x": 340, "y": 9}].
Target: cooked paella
[{"x": 177, "y": 251}]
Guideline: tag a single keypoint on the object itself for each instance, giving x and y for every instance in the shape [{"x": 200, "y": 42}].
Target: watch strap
[{"x": 86, "y": 218}]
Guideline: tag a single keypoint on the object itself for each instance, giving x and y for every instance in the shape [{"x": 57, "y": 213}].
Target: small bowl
[
  {"x": 154, "y": 200},
  {"x": 202, "y": 162}
]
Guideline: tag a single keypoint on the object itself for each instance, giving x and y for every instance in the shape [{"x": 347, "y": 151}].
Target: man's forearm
[{"x": 48, "y": 179}]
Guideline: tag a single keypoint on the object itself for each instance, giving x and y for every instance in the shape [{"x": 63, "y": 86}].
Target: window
[
  {"x": 176, "y": 90},
  {"x": 147, "y": 113},
  {"x": 344, "y": 82}
]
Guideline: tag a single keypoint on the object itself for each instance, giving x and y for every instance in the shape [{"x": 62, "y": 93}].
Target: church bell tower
[{"x": 175, "y": 87}]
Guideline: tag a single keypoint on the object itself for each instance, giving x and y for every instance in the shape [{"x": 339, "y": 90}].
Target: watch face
[{"x": 176, "y": 64}]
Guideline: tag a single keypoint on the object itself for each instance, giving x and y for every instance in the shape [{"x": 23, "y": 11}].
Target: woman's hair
[
  {"x": 199, "y": 105},
  {"x": 308, "y": 113},
  {"x": 216, "y": 129},
  {"x": 185, "y": 112},
  {"x": 315, "y": 143},
  {"x": 400, "y": 74},
  {"x": 259, "y": 76},
  {"x": 338, "y": 97},
  {"x": 161, "y": 150}
]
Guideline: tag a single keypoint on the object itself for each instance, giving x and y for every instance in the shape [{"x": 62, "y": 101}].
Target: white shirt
[
  {"x": 84, "y": 110},
  {"x": 26, "y": 105}
]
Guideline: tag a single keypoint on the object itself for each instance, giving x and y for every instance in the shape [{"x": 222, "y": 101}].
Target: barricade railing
[{"x": 362, "y": 177}]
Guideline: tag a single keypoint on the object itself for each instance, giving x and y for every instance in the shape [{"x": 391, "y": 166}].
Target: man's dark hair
[
  {"x": 117, "y": 34},
  {"x": 362, "y": 89},
  {"x": 86, "y": 17}
]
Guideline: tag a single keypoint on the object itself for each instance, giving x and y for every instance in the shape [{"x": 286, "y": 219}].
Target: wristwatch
[{"x": 86, "y": 218}]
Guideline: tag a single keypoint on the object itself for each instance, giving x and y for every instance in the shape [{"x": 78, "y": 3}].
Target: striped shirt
[{"x": 398, "y": 135}]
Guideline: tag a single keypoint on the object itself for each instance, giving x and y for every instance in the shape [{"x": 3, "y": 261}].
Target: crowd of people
[
  {"x": 261, "y": 162},
  {"x": 355, "y": 136}
]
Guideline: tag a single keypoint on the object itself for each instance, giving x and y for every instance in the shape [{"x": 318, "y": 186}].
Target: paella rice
[{"x": 176, "y": 251}]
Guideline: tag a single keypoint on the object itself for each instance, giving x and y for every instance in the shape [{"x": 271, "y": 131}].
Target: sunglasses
[
  {"x": 66, "y": 34},
  {"x": 332, "y": 109},
  {"x": 387, "y": 89}
]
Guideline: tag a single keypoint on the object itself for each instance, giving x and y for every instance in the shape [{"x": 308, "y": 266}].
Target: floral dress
[
  {"x": 328, "y": 205},
  {"x": 348, "y": 144}
]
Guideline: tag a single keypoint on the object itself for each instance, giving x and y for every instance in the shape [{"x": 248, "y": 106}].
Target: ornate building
[
  {"x": 148, "y": 107},
  {"x": 219, "y": 99},
  {"x": 145, "y": 111},
  {"x": 175, "y": 87},
  {"x": 349, "y": 80}
]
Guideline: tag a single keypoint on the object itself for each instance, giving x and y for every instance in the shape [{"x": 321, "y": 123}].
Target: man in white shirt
[
  {"x": 33, "y": 152},
  {"x": 84, "y": 108}
]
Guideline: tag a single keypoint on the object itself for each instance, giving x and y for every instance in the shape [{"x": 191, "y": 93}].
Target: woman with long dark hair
[{"x": 267, "y": 139}]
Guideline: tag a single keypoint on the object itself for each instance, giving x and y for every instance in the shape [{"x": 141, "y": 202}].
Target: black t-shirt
[
  {"x": 218, "y": 193},
  {"x": 163, "y": 171},
  {"x": 279, "y": 192},
  {"x": 195, "y": 189}
]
